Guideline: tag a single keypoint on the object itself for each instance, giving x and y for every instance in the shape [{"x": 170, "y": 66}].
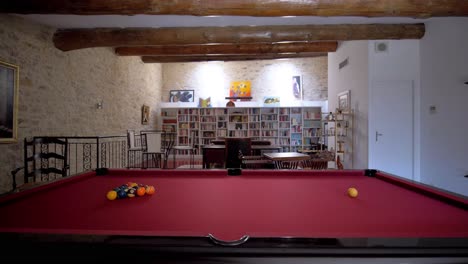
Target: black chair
[
  {"x": 218, "y": 142},
  {"x": 45, "y": 159},
  {"x": 235, "y": 149}
]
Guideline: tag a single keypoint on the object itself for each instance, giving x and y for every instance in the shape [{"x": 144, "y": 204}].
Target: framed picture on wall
[
  {"x": 240, "y": 89},
  {"x": 9, "y": 78},
  {"x": 297, "y": 86},
  {"x": 145, "y": 114},
  {"x": 181, "y": 96},
  {"x": 344, "y": 101}
]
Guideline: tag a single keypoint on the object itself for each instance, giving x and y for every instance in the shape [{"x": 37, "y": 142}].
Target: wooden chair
[
  {"x": 134, "y": 151},
  {"x": 154, "y": 151},
  {"x": 190, "y": 148},
  {"x": 256, "y": 162},
  {"x": 45, "y": 159},
  {"x": 235, "y": 149},
  {"x": 315, "y": 164},
  {"x": 287, "y": 165}
]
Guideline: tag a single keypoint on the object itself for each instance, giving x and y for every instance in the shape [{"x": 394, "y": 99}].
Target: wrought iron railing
[{"x": 88, "y": 153}]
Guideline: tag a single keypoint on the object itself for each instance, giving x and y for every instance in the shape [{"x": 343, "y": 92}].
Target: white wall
[
  {"x": 353, "y": 77},
  {"x": 444, "y": 69},
  {"x": 401, "y": 62},
  {"x": 438, "y": 66}
]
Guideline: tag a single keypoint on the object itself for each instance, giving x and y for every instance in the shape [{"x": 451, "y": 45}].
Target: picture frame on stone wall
[
  {"x": 9, "y": 80},
  {"x": 145, "y": 114},
  {"x": 184, "y": 96}
]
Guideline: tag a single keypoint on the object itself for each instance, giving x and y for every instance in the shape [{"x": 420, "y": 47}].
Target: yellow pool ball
[
  {"x": 111, "y": 195},
  {"x": 352, "y": 192}
]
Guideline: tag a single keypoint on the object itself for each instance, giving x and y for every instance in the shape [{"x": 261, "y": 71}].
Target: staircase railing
[{"x": 83, "y": 154}]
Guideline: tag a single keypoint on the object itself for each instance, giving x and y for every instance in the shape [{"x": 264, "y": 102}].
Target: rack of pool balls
[{"x": 130, "y": 190}]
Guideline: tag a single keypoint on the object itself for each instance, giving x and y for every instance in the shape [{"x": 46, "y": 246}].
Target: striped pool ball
[{"x": 131, "y": 192}]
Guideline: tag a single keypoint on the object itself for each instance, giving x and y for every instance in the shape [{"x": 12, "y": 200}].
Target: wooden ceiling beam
[
  {"x": 72, "y": 39},
  {"x": 169, "y": 59},
  {"x": 259, "y": 8},
  {"x": 232, "y": 49}
]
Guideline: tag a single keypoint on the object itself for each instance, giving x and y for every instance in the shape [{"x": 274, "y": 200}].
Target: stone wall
[
  {"x": 58, "y": 91},
  {"x": 268, "y": 78}
]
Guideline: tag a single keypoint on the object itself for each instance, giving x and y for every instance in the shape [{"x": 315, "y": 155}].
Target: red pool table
[{"x": 260, "y": 212}]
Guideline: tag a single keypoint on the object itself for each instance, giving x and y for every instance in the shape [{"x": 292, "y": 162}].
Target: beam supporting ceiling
[
  {"x": 229, "y": 49},
  {"x": 72, "y": 39},
  {"x": 166, "y": 59},
  {"x": 260, "y": 8}
]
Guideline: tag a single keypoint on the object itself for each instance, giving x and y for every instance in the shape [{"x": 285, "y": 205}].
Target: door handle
[{"x": 377, "y": 134}]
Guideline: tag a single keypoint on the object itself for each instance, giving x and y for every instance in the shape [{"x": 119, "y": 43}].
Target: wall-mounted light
[{"x": 99, "y": 104}]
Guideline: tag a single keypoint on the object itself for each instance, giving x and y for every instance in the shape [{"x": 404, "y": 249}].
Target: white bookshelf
[{"x": 296, "y": 128}]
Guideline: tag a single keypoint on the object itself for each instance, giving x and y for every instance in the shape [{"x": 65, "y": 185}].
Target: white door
[{"x": 391, "y": 127}]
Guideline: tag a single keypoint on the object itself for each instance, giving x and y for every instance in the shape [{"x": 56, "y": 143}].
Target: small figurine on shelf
[
  {"x": 330, "y": 116},
  {"x": 339, "y": 164},
  {"x": 339, "y": 114},
  {"x": 340, "y": 146},
  {"x": 230, "y": 104},
  {"x": 339, "y": 130}
]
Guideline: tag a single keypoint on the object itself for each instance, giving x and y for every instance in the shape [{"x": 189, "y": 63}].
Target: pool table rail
[{"x": 156, "y": 243}]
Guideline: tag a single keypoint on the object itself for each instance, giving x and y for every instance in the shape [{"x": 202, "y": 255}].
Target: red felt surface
[{"x": 257, "y": 203}]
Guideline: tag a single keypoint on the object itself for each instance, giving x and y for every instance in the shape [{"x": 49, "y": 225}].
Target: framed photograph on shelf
[
  {"x": 9, "y": 78},
  {"x": 145, "y": 114},
  {"x": 181, "y": 96},
  {"x": 204, "y": 102},
  {"x": 344, "y": 101},
  {"x": 270, "y": 101}
]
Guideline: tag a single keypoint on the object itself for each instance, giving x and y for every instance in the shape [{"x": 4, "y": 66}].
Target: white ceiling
[{"x": 119, "y": 21}]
